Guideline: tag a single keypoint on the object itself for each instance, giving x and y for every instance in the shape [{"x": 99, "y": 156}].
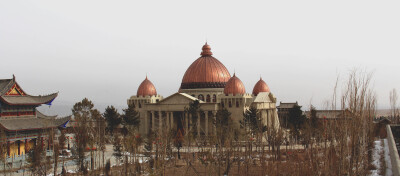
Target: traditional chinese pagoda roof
[
  {"x": 28, "y": 123},
  {"x": 12, "y": 94},
  {"x": 28, "y": 100},
  {"x": 287, "y": 105},
  {"x": 5, "y": 85}
]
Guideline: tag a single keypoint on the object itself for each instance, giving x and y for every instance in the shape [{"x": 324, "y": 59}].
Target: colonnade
[
  {"x": 160, "y": 120},
  {"x": 19, "y": 147}
]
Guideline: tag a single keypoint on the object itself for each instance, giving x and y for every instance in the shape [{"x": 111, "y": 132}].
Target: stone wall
[{"x": 394, "y": 155}]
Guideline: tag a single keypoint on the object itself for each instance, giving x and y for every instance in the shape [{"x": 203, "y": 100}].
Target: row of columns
[
  {"x": 169, "y": 121},
  {"x": 19, "y": 145}
]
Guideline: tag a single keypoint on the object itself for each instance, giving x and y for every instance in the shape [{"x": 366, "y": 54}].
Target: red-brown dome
[
  {"x": 234, "y": 86},
  {"x": 260, "y": 86},
  {"x": 205, "y": 72},
  {"x": 146, "y": 88}
]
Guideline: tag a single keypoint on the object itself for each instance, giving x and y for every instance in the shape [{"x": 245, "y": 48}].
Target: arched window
[
  {"x": 201, "y": 97},
  {"x": 214, "y": 98},
  {"x": 237, "y": 104},
  {"x": 208, "y": 99},
  {"x": 230, "y": 103}
]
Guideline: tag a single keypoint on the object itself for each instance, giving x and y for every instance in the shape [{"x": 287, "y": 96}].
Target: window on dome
[
  {"x": 208, "y": 99},
  {"x": 214, "y": 98},
  {"x": 201, "y": 97}
]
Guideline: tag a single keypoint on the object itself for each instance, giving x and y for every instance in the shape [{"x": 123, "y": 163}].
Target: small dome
[
  {"x": 205, "y": 72},
  {"x": 234, "y": 86},
  {"x": 260, "y": 86},
  {"x": 146, "y": 88}
]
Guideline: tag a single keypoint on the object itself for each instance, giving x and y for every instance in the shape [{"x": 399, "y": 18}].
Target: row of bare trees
[
  {"x": 331, "y": 147},
  {"x": 394, "y": 109}
]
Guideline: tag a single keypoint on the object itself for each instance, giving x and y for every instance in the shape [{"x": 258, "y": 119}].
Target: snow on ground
[
  {"x": 387, "y": 158},
  {"x": 71, "y": 171},
  {"x": 376, "y": 157},
  {"x": 381, "y": 147}
]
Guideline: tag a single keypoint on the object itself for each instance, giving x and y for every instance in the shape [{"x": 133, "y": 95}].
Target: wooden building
[{"x": 20, "y": 122}]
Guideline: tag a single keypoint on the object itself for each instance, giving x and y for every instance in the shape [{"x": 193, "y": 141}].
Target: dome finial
[{"x": 206, "y": 50}]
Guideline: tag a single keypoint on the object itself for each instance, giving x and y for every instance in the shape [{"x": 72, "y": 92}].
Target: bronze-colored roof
[
  {"x": 260, "y": 86},
  {"x": 234, "y": 86},
  {"x": 205, "y": 72},
  {"x": 32, "y": 123},
  {"x": 146, "y": 88}
]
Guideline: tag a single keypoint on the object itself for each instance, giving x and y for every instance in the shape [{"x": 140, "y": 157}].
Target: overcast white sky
[{"x": 103, "y": 49}]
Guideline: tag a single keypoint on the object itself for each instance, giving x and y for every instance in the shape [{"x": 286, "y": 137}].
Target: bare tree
[
  {"x": 37, "y": 158},
  {"x": 393, "y": 97},
  {"x": 3, "y": 149},
  {"x": 84, "y": 115},
  {"x": 354, "y": 132}
]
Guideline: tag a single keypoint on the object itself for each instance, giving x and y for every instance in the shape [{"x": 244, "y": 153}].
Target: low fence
[{"x": 394, "y": 155}]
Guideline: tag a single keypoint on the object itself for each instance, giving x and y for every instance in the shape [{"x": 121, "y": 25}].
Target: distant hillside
[{"x": 383, "y": 112}]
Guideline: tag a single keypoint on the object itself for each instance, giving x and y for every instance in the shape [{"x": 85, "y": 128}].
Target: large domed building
[{"x": 208, "y": 81}]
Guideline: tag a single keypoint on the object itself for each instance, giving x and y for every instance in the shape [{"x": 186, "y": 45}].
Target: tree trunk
[{"x": 91, "y": 160}]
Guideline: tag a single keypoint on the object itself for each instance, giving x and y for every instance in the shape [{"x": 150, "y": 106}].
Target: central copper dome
[{"x": 205, "y": 72}]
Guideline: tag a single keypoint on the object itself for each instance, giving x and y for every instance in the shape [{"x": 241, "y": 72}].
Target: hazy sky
[{"x": 103, "y": 49}]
